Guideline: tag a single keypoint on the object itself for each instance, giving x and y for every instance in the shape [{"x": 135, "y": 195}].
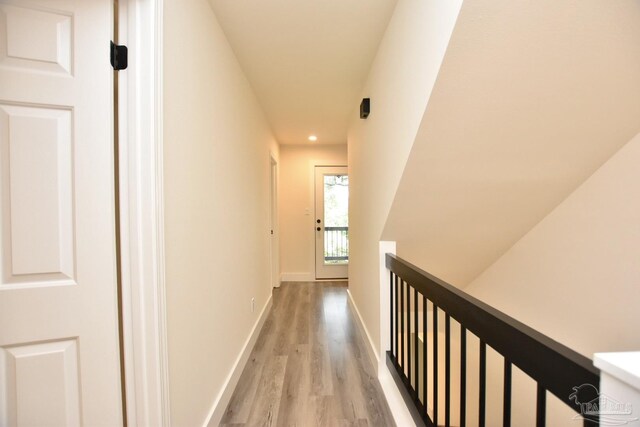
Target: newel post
[
  {"x": 385, "y": 248},
  {"x": 619, "y": 390}
]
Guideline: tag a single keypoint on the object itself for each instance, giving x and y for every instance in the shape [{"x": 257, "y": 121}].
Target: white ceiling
[{"x": 306, "y": 59}]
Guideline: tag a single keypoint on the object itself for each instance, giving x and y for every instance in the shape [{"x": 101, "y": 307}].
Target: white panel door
[
  {"x": 59, "y": 358},
  {"x": 332, "y": 222}
]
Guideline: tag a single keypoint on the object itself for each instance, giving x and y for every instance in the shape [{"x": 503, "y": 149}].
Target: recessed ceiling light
[{"x": 313, "y": 138}]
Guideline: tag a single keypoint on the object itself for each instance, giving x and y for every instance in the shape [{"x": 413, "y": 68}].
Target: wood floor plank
[
  {"x": 320, "y": 367},
  {"x": 285, "y": 325},
  {"x": 237, "y": 411},
  {"x": 303, "y": 317},
  {"x": 345, "y": 384},
  {"x": 309, "y": 366},
  {"x": 294, "y": 400},
  {"x": 264, "y": 409}
]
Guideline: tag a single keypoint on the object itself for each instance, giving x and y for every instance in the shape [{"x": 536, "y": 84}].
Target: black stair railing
[{"x": 554, "y": 367}]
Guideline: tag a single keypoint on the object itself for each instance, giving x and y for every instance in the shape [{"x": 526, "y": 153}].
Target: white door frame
[
  {"x": 337, "y": 272},
  {"x": 274, "y": 242},
  {"x": 141, "y": 214}
]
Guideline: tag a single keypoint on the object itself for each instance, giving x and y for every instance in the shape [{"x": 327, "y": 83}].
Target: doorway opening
[{"x": 274, "y": 247}]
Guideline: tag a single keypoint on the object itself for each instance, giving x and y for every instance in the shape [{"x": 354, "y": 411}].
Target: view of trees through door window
[{"x": 336, "y": 217}]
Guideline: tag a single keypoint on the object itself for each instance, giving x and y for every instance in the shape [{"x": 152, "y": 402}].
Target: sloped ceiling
[
  {"x": 306, "y": 60},
  {"x": 532, "y": 97}
]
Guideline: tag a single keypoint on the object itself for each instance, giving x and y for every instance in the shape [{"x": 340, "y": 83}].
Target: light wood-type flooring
[{"x": 309, "y": 366}]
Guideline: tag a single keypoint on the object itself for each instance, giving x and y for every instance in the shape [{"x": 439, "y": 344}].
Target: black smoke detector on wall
[{"x": 365, "y": 107}]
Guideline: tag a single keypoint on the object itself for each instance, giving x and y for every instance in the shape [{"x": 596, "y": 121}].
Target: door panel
[
  {"x": 59, "y": 358},
  {"x": 39, "y": 206},
  {"x": 46, "y": 383},
  {"x": 332, "y": 222},
  {"x": 37, "y": 38}
]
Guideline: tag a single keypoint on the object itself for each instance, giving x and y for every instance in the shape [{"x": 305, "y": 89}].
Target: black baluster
[
  {"x": 435, "y": 364},
  {"x": 463, "y": 376},
  {"x": 409, "y": 333},
  {"x": 541, "y": 407},
  {"x": 483, "y": 384},
  {"x": 397, "y": 343},
  {"x": 506, "y": 405},
  {"x": 425, "y": 393},
  {"x": 402, "y": 325},
  {"x": 416, "y": 354},
  {"x": 447, "y": 370},
  {"x": 391, "y": 312}
]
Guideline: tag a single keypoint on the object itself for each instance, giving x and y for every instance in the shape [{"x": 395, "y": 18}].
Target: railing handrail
[{"x": 556, "y": 367}]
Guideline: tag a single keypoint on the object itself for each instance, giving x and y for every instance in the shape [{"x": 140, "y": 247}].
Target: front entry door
[
  {"x": 59, "y": 355},
  {"x": 332, "y": 222}
]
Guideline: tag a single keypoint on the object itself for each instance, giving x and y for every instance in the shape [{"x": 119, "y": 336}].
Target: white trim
[
  {"x": 297, "y": 277},
  {"x": 222, "y": 400},
  {"x": 621, "y": 366},
  {"x": 141, "y": 213},
  {"x": 384, "y": 247},
  {"x": 389, "y": 387},
  {"x": 396, "y": 403},
  {"x": 274, "y": 239},
  {"x": 398, "y": 408},
  {"x": 313, "y": 164},
  {"x": 323, "y": 270},
  {"x": 371, "y": 348}
]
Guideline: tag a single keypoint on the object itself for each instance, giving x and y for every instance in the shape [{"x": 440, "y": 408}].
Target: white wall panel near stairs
[{"x": 531, "y": 98}]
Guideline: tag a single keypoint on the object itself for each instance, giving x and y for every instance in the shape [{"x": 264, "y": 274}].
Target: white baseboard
[
  {"x": 371, "y": 348},
  {"x": 222, "y": 400},
  {"x": 398, "y": 408},
  {"x": 297, "y": 277}
]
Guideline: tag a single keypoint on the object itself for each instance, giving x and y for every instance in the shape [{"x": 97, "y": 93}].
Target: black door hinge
[{"x": 119, "y": 56}]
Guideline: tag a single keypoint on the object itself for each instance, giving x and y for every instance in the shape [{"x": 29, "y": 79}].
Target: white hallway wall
[
  {"x": 574, "y": 277},
  {"x": 296, "y": 205},
  {"x": 531, "y": 98},
  {"x": 216, "y": 175},
  {"x": 399, "y": 85}
]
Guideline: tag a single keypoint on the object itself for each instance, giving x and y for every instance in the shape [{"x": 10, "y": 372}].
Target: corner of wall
[
  {"x": 399, "y": 85},
  {"x": 224, "y": 397}
]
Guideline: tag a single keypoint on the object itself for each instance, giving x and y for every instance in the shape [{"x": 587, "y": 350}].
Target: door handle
[{"x": 318, "y": 228}]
